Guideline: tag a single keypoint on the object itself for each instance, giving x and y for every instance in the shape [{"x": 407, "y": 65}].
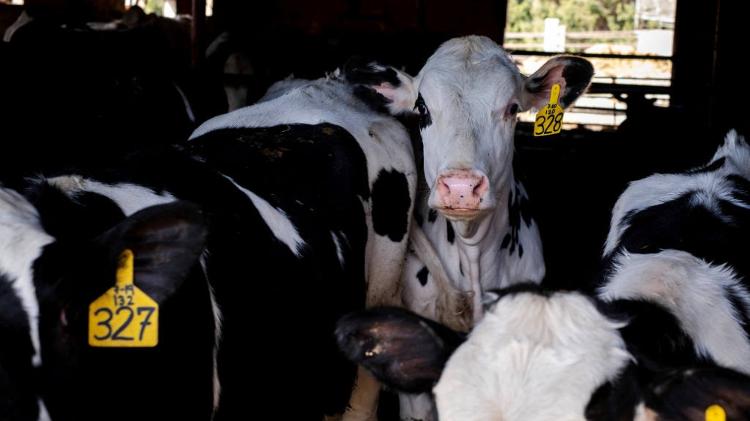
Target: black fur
[
  {"x": 390, "y": 204},
  {"x": 422, "y": 275}
]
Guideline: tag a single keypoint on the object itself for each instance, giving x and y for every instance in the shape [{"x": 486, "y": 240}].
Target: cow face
[
  {"x": 47, "y": 368},
  {"x": 467, "y": 97}
]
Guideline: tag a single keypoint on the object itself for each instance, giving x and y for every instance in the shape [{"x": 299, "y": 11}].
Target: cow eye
[{"x": 424, "y": 114}]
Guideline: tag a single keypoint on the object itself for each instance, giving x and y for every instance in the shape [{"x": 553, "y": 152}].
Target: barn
[{"x": 366, "y": 210}]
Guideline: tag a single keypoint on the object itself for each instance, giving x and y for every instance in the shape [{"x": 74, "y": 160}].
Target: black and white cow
[
  {"x": 676, "y": 251},
  {"x": 536, "y": 355},
  {"x": 58, "y": 255},
  {"x": 477, "y": 232},
  {"x": 309, "y": 196},
  {"x": 666, "y": 336}
]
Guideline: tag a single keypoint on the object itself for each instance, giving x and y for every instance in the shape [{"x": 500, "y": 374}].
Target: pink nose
[{"x": 461, "y": 189}]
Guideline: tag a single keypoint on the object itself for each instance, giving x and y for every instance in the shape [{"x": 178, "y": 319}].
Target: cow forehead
[
  {"x": 474, "y": 68},
  {"x": 527, "y": 350}
]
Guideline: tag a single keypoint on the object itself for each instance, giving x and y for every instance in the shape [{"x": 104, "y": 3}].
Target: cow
[
  {"x": 474, "y": 230},
  {"x": 58, "y": 255},
  {"x": 675, "y": 250},
  {"x": 309, "y": 197},
  {"x": 537, "y": 355},
  {"x": 673, "y": 304}
]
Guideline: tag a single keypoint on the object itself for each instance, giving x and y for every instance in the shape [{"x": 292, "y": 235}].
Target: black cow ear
[
  {"x": 617, "y": 399},
  {"x": 383, "y": 88},
  {"x": 402, "y": 350},
  {"x": 688, "y": 393},
  {"x": 573, "y": 74},
  {"x": 166, "y": 241}
]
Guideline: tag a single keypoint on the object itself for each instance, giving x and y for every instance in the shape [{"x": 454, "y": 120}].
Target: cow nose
[{"x": 462, "y": 189}]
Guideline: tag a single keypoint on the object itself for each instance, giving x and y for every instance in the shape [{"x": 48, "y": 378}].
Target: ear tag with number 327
[
  {"x": 715, "y": 413},
  {"x": 124, "y": 317},
  {"x": 549, "y": 118}
]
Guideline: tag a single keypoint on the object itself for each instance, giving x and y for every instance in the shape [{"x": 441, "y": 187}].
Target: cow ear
[
  {"x": 616, "y": 399},
  {"x": 573, "y": 74},
  {"x": 688, "y": 393},
  {"x": 402, "y": 350},
  {"x": 166, "y": 242},
  {"x": 382, "y": 87}
]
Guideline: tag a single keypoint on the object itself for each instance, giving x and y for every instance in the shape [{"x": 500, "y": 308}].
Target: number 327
[{"x": 115, "y": 333}]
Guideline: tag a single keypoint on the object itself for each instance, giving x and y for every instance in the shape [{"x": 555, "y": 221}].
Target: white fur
[
  {"x": 692, "y": 290},
  {"x": 218, "y": 322},
  {"x": 339, "y": 250},
  {"x": 22, "y": 20},
  {"x": 386, "y": 145},
  {"x": 43, "y": 413},
  {"x": 129, "y": 197},
  {"x": 383, "y": 140},
  {"x": 21, "y": 241},
  {"x": 531, "y": 358},
  {"x": 467, "y": 85},
  {"x": 281, "y": 227},
  {"x": 660, "y": 188}
]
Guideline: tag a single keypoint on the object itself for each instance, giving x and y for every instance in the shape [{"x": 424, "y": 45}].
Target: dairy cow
[
  {"x": 536, "y": 355},
  {"x": 308, "y": 197},
  {"x": 474, "y": 227},
  {"x": 665, "y": 338},
  {"x": 58, "y": 255}
]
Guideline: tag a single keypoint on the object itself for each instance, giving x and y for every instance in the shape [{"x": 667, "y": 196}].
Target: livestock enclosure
[{"x": 86, "y": 82}]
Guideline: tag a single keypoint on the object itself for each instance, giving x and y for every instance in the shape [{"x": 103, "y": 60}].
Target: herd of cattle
[{"x": 285, "y": 240}]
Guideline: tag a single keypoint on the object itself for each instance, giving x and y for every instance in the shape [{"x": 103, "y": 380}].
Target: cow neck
[{"x": 477, "y": 243}]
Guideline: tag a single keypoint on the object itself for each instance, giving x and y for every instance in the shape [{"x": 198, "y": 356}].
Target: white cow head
[{"x": 467, "y": 97}]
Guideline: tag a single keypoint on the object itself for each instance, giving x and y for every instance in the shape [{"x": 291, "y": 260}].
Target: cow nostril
[{"x": 477, "y": 189}]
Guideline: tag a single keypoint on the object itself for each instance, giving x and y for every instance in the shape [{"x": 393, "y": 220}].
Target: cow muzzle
[{"x": 462, "y": 193}]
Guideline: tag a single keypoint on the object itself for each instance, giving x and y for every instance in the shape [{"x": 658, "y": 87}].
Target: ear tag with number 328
[
  {"x": 124, "y": 317},
  {"x": 715, "y": 413},
  {"x": 549, "y": 118}
]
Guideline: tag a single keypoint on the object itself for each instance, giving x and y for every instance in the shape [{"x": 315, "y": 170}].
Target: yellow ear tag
[
  {"x": 549, "y": 118},
  {"x": 124, "y": 317},
  {"x": 715, "y": 413}
]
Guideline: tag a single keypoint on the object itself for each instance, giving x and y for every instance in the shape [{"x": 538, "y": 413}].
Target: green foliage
[
  {"x": 576, "y": 15},
  {"x": 154, "y": 6}
]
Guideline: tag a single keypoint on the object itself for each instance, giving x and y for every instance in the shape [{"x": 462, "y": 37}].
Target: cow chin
[{"x": 462, "y": 214}]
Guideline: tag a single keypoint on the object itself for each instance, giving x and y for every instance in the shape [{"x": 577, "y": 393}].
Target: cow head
[
  {"x": 53, "y": 267},
  {"x": 535, "y": 353},
  {"x": 467, "y": 97}
]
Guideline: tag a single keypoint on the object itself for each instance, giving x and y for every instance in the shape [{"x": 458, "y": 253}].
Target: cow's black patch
[
  {"x": 686, "y": 224},
  {"x": 422, "y": 275},
  {"x": 418, "y": 217},
  {"x": 714, "y": 166},
  {"x": 390, "y": 204},
  {"x": 432, "y": 215},
  {"x": 518, "y": 211},
  {"x": 740, "y": 309},
  {"x": 364, "y": 75},
  {"x": 425, "y": 119},
  {"x": 85, "y": 216},
  {"x": 654, "y": 335},
  {"x": 740, "y": 188},
  {"x": 451, "y": 233},
  {"x": 616, "y": 400}
]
